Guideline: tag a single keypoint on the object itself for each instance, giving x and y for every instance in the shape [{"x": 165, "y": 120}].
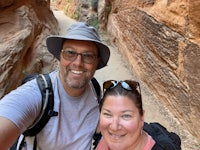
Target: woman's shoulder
[{"x": 102, "y": 145}]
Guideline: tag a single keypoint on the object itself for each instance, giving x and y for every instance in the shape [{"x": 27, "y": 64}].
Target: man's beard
[{"x": 73, "y": 83}]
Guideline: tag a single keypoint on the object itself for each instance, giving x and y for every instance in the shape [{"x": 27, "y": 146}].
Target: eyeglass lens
[{"x": 72, "y": 55}]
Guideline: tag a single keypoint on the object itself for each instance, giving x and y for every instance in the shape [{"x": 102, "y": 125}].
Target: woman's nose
[{"x": 115, "y": 124}]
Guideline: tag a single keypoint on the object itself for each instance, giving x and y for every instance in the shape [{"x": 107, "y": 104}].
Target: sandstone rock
[
  {"x": 24, "y": 27},
  {"x": 6, "y": 3}
]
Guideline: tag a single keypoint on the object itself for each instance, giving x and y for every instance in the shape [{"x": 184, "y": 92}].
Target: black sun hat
[{"x": 79, "y": 31}]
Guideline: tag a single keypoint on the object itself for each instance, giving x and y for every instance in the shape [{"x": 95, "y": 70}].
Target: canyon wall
[
  {"x": 24, "y": 26},
  {"x": 160, "y": 40}
]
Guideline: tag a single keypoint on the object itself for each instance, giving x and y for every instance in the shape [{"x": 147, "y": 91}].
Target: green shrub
[{"x": 93, "y": 22}]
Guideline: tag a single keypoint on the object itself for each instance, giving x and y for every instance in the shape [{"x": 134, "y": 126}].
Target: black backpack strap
[
  {"x": 97, "y": 88},
  {"x": 45, "y": 86},
  {"x": 96, "y": 139},
  {"x": 35, "y": 143}
]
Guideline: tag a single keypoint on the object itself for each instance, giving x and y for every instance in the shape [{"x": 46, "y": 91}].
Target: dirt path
[{"x": 117, "y": 69}]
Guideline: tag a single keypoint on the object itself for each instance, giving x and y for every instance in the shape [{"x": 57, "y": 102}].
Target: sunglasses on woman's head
[{"x": 129, "y": 85}]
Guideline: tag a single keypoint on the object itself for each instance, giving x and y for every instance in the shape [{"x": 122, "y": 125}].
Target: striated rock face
[
  {"x": 180, "y": 15},
  {"x": 160, "y": 40},
  {"x": 24, "y": 26}
]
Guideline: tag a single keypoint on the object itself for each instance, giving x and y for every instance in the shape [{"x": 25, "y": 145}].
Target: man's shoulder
[{"x": 54, "y": 74}]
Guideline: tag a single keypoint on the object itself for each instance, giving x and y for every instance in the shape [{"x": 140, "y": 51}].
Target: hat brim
[{"x": 55, "y": 43}]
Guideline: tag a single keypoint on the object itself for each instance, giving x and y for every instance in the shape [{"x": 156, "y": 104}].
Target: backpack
[
  {"x": 165, "y": 140},
  {"x": 45, "y": 86}
]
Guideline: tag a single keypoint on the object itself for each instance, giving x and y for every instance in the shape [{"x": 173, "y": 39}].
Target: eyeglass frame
[{"x": 83, "y": 58}]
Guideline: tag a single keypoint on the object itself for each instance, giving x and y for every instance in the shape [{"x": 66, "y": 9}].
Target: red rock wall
[
  {"x": 160, "y": 40},
  {"x": 24, "y": 26}
]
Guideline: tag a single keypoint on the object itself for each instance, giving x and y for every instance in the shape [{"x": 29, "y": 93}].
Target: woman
[{"x": 122, "y": 118}]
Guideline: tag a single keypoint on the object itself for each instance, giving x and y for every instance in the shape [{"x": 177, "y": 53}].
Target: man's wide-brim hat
[{"x": 79, "y": 31}]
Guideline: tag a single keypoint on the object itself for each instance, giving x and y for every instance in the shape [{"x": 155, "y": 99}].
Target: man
[{"x": 80, "y": 53}]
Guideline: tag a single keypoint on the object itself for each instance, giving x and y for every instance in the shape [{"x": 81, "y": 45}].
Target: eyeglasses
[
  {"x": 129, "y": 85},
  {"x": 71, "y": 55}
]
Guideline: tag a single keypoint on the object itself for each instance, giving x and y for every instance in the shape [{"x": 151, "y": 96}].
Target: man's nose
[{"x": 78, "y": 60}]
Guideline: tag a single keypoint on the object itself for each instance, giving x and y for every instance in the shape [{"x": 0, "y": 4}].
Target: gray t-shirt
[{"x": 75, "y": 124}]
